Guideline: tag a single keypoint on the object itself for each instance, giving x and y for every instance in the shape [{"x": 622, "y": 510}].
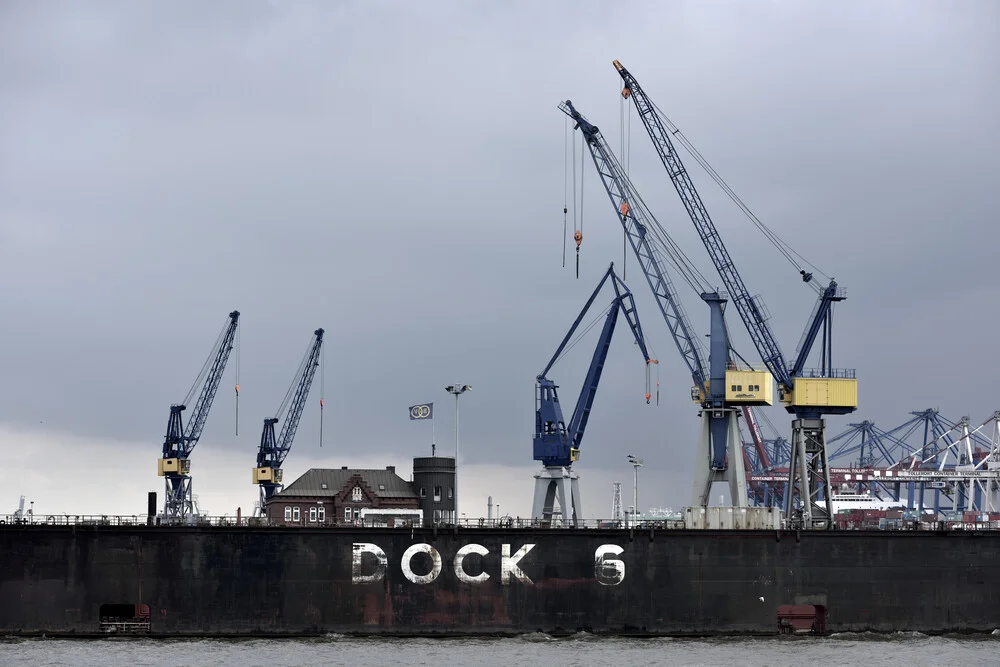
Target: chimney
[{"x": 391, "y": 469}]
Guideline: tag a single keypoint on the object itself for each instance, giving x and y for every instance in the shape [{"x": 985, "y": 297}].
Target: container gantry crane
[
  {"x": 175, "y": 464},
  {"x": 809, "y": 395},
  {"x": 273, "y": 450},
  {"x": 557, "y": 445},
  {"x": 720, "y": 389}
]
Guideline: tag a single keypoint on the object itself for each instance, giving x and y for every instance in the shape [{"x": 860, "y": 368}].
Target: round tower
[{"x": 434, "y": 484}]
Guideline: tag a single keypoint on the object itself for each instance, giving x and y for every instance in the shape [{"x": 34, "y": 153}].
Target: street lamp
[
  {"x": 457, "y": 390},
  {"x": 636, "y": 464}
]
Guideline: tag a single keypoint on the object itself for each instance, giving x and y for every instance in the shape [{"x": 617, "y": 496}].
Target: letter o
[
  {"x": 460, "y": 570},
  {"x": 412, "y": 551}
]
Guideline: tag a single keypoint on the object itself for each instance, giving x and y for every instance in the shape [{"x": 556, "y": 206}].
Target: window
[
  {"x": 323, "y": 486},
  {"x": 423, "y": 492},
  {"x": 381, "y": 487},
  {"x": 312, "y": 515},
  {"x": 437, "y": 494},
  {"x": 288, "y": 513},
  {"x": 356, "y": 494},
  {"x": 451, "y": 493},
  {"x": 322, "y": 514},
  {"x": 347, "y": 514},
  {"x": 437, "y": 515},
  {"x": 357, "y": 513},
  {"x": 295, "y": 514},
  {"x": 734, "y": 387}
]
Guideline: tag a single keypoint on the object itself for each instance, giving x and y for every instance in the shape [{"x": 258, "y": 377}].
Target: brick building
[{"x": 345, "y": 497}]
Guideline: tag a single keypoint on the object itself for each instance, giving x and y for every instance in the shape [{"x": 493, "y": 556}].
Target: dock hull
[{"x": 63, "y": 580}]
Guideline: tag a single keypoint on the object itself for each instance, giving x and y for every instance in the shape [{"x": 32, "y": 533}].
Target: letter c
[{"x": 460, "y": 570}]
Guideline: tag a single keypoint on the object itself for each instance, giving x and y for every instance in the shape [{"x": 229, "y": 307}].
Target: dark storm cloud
[{"x": 395, "y": 174}]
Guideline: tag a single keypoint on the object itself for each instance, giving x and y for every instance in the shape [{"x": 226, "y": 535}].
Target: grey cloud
[{"x": 395, "y": 174}]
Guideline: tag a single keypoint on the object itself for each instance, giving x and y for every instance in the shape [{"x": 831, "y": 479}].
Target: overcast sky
[{"x": 394, "y": 172}]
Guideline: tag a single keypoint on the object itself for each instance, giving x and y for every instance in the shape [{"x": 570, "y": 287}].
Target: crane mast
[
  {"x": 273, "y": 450},
  {"x": 557, "y": 445},
  {"x": 175, "y": 466},
  {"x": 809, "y": 398}
]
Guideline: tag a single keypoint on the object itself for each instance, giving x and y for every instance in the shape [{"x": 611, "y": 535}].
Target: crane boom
[
  {"x": 199, "y": 414},
  {"x": 750, "y": 310},
  {"x": 634, "y": 220},
  {"x": 273, "y": 450}
]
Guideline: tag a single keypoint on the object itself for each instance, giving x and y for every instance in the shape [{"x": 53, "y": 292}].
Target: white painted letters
[
  {"x": 460, "y": 569},
  {"x": 509, "y": 567},
  {"x": 412, "y": 551},
  {"x": 360, "y": 549},
  {"x": 609, "y": 571},
  {"x": 369, "y": 563}
]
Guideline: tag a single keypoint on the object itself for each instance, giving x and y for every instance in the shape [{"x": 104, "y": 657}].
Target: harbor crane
[
  {"x": 175, "y": 464},
  {"x": 720, "y": 388},
  {"x": 273, "y": 450},
  {"x": 808, "y": 394},
  {"x": 557, "y": 445}
]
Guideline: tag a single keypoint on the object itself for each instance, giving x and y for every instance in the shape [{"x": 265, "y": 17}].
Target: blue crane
[
  {"x": 175, "y": 465},
  {"x": 720, "y": 387},
  {"x": 273, "y": 450},
  {"x": 807, "y": 394},
  {"x": 557, "y": 445}
]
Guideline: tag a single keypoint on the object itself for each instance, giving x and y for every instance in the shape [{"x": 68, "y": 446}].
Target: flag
[{"x": 422, "y": 411}]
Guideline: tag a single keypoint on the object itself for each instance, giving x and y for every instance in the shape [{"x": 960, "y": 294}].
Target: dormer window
[{"x": 356, "y": 494}]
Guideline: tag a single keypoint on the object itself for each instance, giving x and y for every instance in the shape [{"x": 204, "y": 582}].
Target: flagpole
[{"x": 432, "y": 435}]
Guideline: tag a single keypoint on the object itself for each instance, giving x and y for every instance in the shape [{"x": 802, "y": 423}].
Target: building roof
[{"x": 382, "y": 482}]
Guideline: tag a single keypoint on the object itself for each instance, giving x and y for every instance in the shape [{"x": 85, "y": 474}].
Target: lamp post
[
  {"x": 457, "y": 390},
  {"x": 636, "y": 464}
]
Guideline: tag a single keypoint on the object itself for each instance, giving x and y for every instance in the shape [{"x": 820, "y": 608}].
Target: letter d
[{"x": 360, "y": 549}]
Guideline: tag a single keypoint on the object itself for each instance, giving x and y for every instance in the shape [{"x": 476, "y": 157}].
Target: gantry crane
[
  {"x": 557, "y": 445},
  {"x": 722, "y": 390},
  {"x": 175, "y": 465},
  {"x": 272, "y": 452},
  {"x": 809, "y": 395}
]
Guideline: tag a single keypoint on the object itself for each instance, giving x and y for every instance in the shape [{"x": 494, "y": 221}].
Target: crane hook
[{"x": 578, "y": 237}]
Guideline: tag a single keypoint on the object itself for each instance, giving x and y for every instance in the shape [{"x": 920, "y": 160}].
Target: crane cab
[
  {"x": 833, "y": 393},
  {"x": 743, "y": 387},
  {"x": 749, "y": 387},
  {"x": 173, "y": 466},
  {"x": 267, "y": 474}
]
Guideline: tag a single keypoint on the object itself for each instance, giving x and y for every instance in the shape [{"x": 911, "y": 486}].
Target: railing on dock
[{"x": 767, "y": 521}]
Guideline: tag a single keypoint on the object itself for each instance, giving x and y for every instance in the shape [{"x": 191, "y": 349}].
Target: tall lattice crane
[
  {"x": 807, "y": 394},
  {"x": 174, "y": 465},
  {"x": 720, "y": 389},
  {"x": 273, "y": 449}
]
